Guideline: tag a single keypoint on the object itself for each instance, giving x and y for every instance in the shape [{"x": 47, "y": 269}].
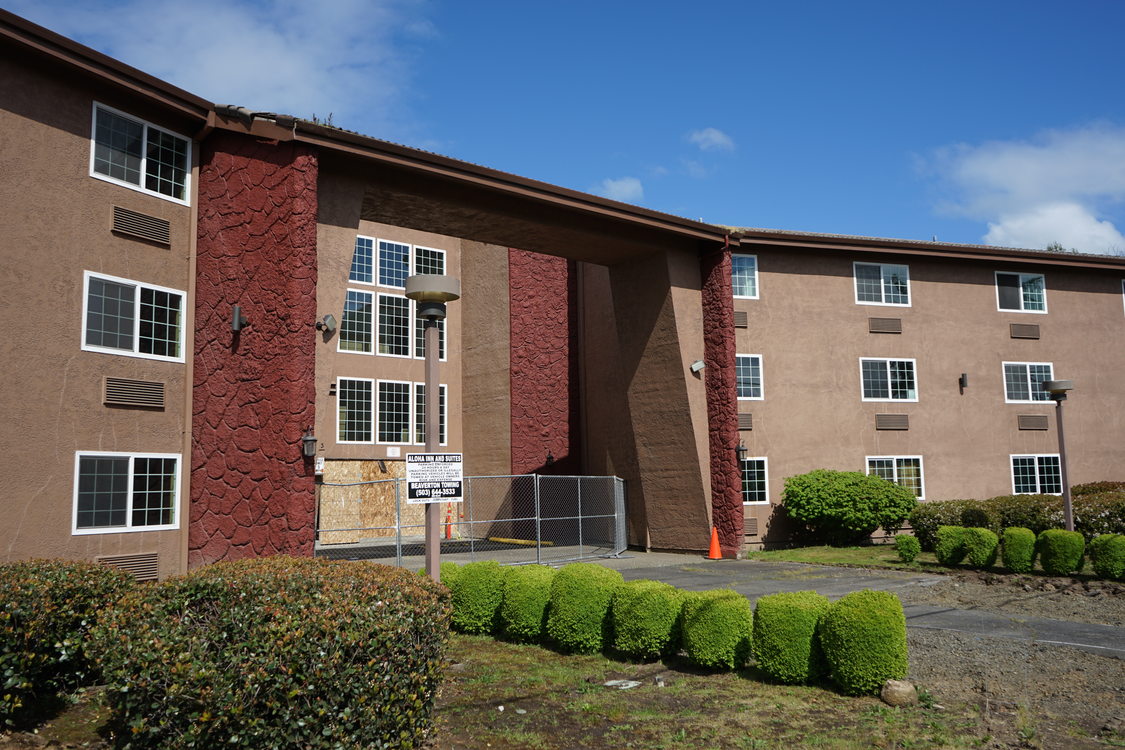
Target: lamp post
[
  {"x": 431, "y": 292},
  {"x": 1058, "y": 390}
]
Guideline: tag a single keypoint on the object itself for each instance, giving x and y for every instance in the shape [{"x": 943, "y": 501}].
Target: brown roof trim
[
  {"x": 21, "y": 31},
  {"x": 851, "y": 243}
]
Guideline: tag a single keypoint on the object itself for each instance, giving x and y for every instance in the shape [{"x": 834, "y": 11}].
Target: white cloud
[
  {"x": 711, "y": 139},
  {"x": 343, "y": 57},
  {"x": 694, "y": 169},
  {"x": 626, "y": 189},
  {"x": 1057, "y": 187}
]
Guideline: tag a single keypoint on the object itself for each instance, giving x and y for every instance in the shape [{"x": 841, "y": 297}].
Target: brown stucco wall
[
  {"x": 56, "y": 224},
  {"x": 252, "y": 491}
]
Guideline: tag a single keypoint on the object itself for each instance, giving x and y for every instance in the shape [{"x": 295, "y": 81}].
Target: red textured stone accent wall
[
  {"x": 722, "y": 399},
  {"x": 544, "y": 388},
  {"x": 252, "y": 492}
]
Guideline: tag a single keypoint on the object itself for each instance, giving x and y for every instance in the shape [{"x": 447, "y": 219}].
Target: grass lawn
[{"x": 869, "y": 556}]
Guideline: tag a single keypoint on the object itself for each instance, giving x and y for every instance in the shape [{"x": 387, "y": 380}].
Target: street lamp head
[
  {"x": 432, "y": 287},
  {"x": 1058, "y": 388}
]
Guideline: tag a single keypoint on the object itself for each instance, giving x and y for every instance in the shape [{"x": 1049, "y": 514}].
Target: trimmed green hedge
[
  {"x": 1094, "y": 488},
  {"x": 1060, "y": 552},
  {"x": 477, "y": 590},
  {"x": 46, "y": 610},
  {"x": 578, "y": 618},
  {"x": 949, "y": 546},
  {"x": 523, "y": 612},
  {"x": 846, "y": 506},
  {"x": 864, "y": 640},
  {"x": 275, "y": 652},
  {"x": 1018, "y": 549},
  {"x": 784, "y": 641},
  {"x": 717, "y": 629},
  {"x": 1107, "y": 556},
  {"x": 981, "y": 546},
  {"x": 645, "y": 619},
  {"x": 908, "y": 547}
]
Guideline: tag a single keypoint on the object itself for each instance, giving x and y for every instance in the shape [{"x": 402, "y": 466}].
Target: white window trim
[
  {"x": 761, "y": 375},
  {"x": 1004, "y": 382},
  {"x": 757, "y": 277},
  {"x": 377, "y": 276},
  {"x": 374, "y": 408},
  {"x": 374, "y": 323},
  {"x": 917, "y": 388},
  {"x": 87, "y": 275},
  {"x": 377, "y": 408},
  {"x": 444, "y": 412},
  {"x": 374, "y": 262},
  {"x": 410, "y": 324},
  {"x": 1012, "y": 470},
  {"x": 882, "y": 291},
  {"x": 144, "y": 156},
  {"x": 766, "y": 470},
  {"x": 128, "y": 528},
  {"x": 996, "y": 284},
  {"x": 921, "y": 470}
]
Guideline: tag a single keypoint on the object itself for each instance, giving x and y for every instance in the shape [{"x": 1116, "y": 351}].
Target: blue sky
[{"x": 989, "y": 121}]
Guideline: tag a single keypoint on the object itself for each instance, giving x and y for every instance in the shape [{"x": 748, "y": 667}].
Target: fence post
[
  {"x": 581, "y": 549},
  {"x": 467, "y": 506},
  {"x": 398, "y": 527},
  {"x": 538, "y": 521}
]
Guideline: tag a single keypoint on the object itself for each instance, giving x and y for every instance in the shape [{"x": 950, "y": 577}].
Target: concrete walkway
[{"x": 753, "y": 578}]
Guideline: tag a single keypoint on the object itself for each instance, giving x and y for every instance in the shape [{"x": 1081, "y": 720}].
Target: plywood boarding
[{"x": 367, "y": 510}]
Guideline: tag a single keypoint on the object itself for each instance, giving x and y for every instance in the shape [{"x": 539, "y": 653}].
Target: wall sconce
[
  {"x": 328, "y": 324},
  {"x": 741, "y": 452},
  {"x": 963, "y": 381},
  {"x": 698, "y": 365},
  {"x": 308, "y": 444},
  {"x": 238, "y": 321},
  {"x": 550, "y": 459}
]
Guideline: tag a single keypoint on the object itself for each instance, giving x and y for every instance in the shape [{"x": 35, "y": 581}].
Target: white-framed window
[
  {"x": 1036, "y": 475},
  {"x": 429, "y": 260},
  {"x": 118, "y": 492},
  {"x": 420, "y": 414},
  {"x": 363, "y": 261},
  {"x": 355, "y": 410},
  {"x": 394, "y": 264},
  {"x": 420, "y": 338},
  {"x": 356, "y": 324},
  {"x": 755, "y": 481},
  {"x": 744, "y": 275},
  {"x": 393, "y": 423},
  {"x": 1023, "y": 382},
  {"x": 748, "y": 377},
  {"x": 121, "y": 316},
  {"x": 133, "y": 153},
  {"x": 394, "y": 325},
  {"x": 882, "y": 284},
  {"x": 903, "y": 470},
  {"x": 888, "y": 380},
  {"x": 1021, "y": 292}
]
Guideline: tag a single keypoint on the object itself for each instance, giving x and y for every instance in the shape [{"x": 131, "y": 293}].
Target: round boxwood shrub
[
  {"x": 846, "y": 506},
  {"x": 949, "y": 547},
  {"x": 1107, "y": 556},
  {"x": 1017, "y": 548},
  {"x": 981, "y": 546},
  {"x": 908, "y": 547},
  {"x": 477, "y": 589},
  {"x": 275, "y": 652},
  {"x": 864, "y": 640},
  {"x": 523, "y": 612},
  {"x": 645, "y": 619},
  {"x": 718, "y": 629},
  {"x": 784, "y": 641},
  {"x": 46, "y": 610},
  {"x": 578, "y": 614},
  {"x": 1060, "y": 552}
]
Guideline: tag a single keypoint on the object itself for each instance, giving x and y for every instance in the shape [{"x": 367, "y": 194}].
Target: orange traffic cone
[{"x": 715, "y": 553}]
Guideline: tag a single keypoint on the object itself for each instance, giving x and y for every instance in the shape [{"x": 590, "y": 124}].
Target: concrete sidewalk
[{"x": 753, "y": 578}]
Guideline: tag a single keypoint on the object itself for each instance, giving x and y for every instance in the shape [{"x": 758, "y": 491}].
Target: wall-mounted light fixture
[
  {"x": 963, "y": 382},
  {"x": 741, "y": 452},
  {"x": 238, "y": 321},
  {"x": 308, "y": 444},
  {"x": 328, "y": 324},
  {"x": 550, "y": 459},
  {"x": 698, "y": 365}
]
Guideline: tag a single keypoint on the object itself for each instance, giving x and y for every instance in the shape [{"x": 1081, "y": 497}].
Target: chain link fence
[{"x": 514, "y": 520}]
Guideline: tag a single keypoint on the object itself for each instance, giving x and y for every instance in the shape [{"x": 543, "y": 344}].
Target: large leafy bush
[
  {"x": 717, "y": 629},
  {"x": 784, "y": 642},
  {"x": 927, "y": 517},
  {"x": 645, "y": 619},
  {"x": 846, "y": 506},
  {"x": 46, "y": 610},
  {"x": 864, "y": 640},
  {"x": 523, "y": 612},
  {"x": 1018, "y": 549},
  {"x": 578, "y": 615},
  {"x": 275, "y": 652},
  {"x": 477, "y": 590}
]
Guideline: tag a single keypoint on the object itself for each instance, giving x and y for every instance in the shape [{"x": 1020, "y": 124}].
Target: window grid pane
[
  {"x": 420, "y": 414},
  {"x": 103, "y": 491},
  {"x": 1050, "y": 476},
  {"x": 882, "y": 467},
  {"x": 1024, "y": 476},
  {"x": 362, "y": 261},
  {"x": 394, "y": 412},
  {"x": 1033, "y": 294},
  {"x": 118, "y": 147},
  {"x": 355, "y": 325},
  {"x": 109, "y": 314},
  {"x": 754, "y": 488},
  {"x": 394, "y": 325},
  {"x": 394, "y": 263},
  {"x": 420, "y": 338},
  {"x": 1016, "y": 383},
  {"x": 875, "y": 382},
  {"x": 868, "y": 284},
  {"x": 909, "y": 474},
  {"x": 748, "y": 376},
  {"x": 1039, "y": 374},
  {"x": 429, "y": 261},
  {"x": 354, "y": 404},
  {"x": 154, "y": 491},
  {"x": 744, "y": 275},
  {"x": 902, "y": 379},
  {"x": 160, "y": 323},
  {"x": 895, "y": 285},
  {"x": 166, "y": 165}
]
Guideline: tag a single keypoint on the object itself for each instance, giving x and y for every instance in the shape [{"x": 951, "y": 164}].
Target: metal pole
[
  {"x": 1068, "y": 511},
  {"x": 433, "y": 441}
]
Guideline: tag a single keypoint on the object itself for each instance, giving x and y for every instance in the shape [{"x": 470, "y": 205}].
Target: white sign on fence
[{"x": 433, "y": 477}]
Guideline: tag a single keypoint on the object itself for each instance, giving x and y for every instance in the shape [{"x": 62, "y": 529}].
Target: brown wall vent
[
  {"x": 750, "y": 526},
  {"x": 143, "y": 567},
  {"x": 741, "y": 319},
  {"x": 140, "y": 225},
  {"x": 1032, "y": 421},
  {"x": 884, "y": 325},
  {"x": 892, "y": 422},
  {"x": 1024, "y": 331},
  {"x": 745, "y": 421},
  {"x": 126, "y": 392}
]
